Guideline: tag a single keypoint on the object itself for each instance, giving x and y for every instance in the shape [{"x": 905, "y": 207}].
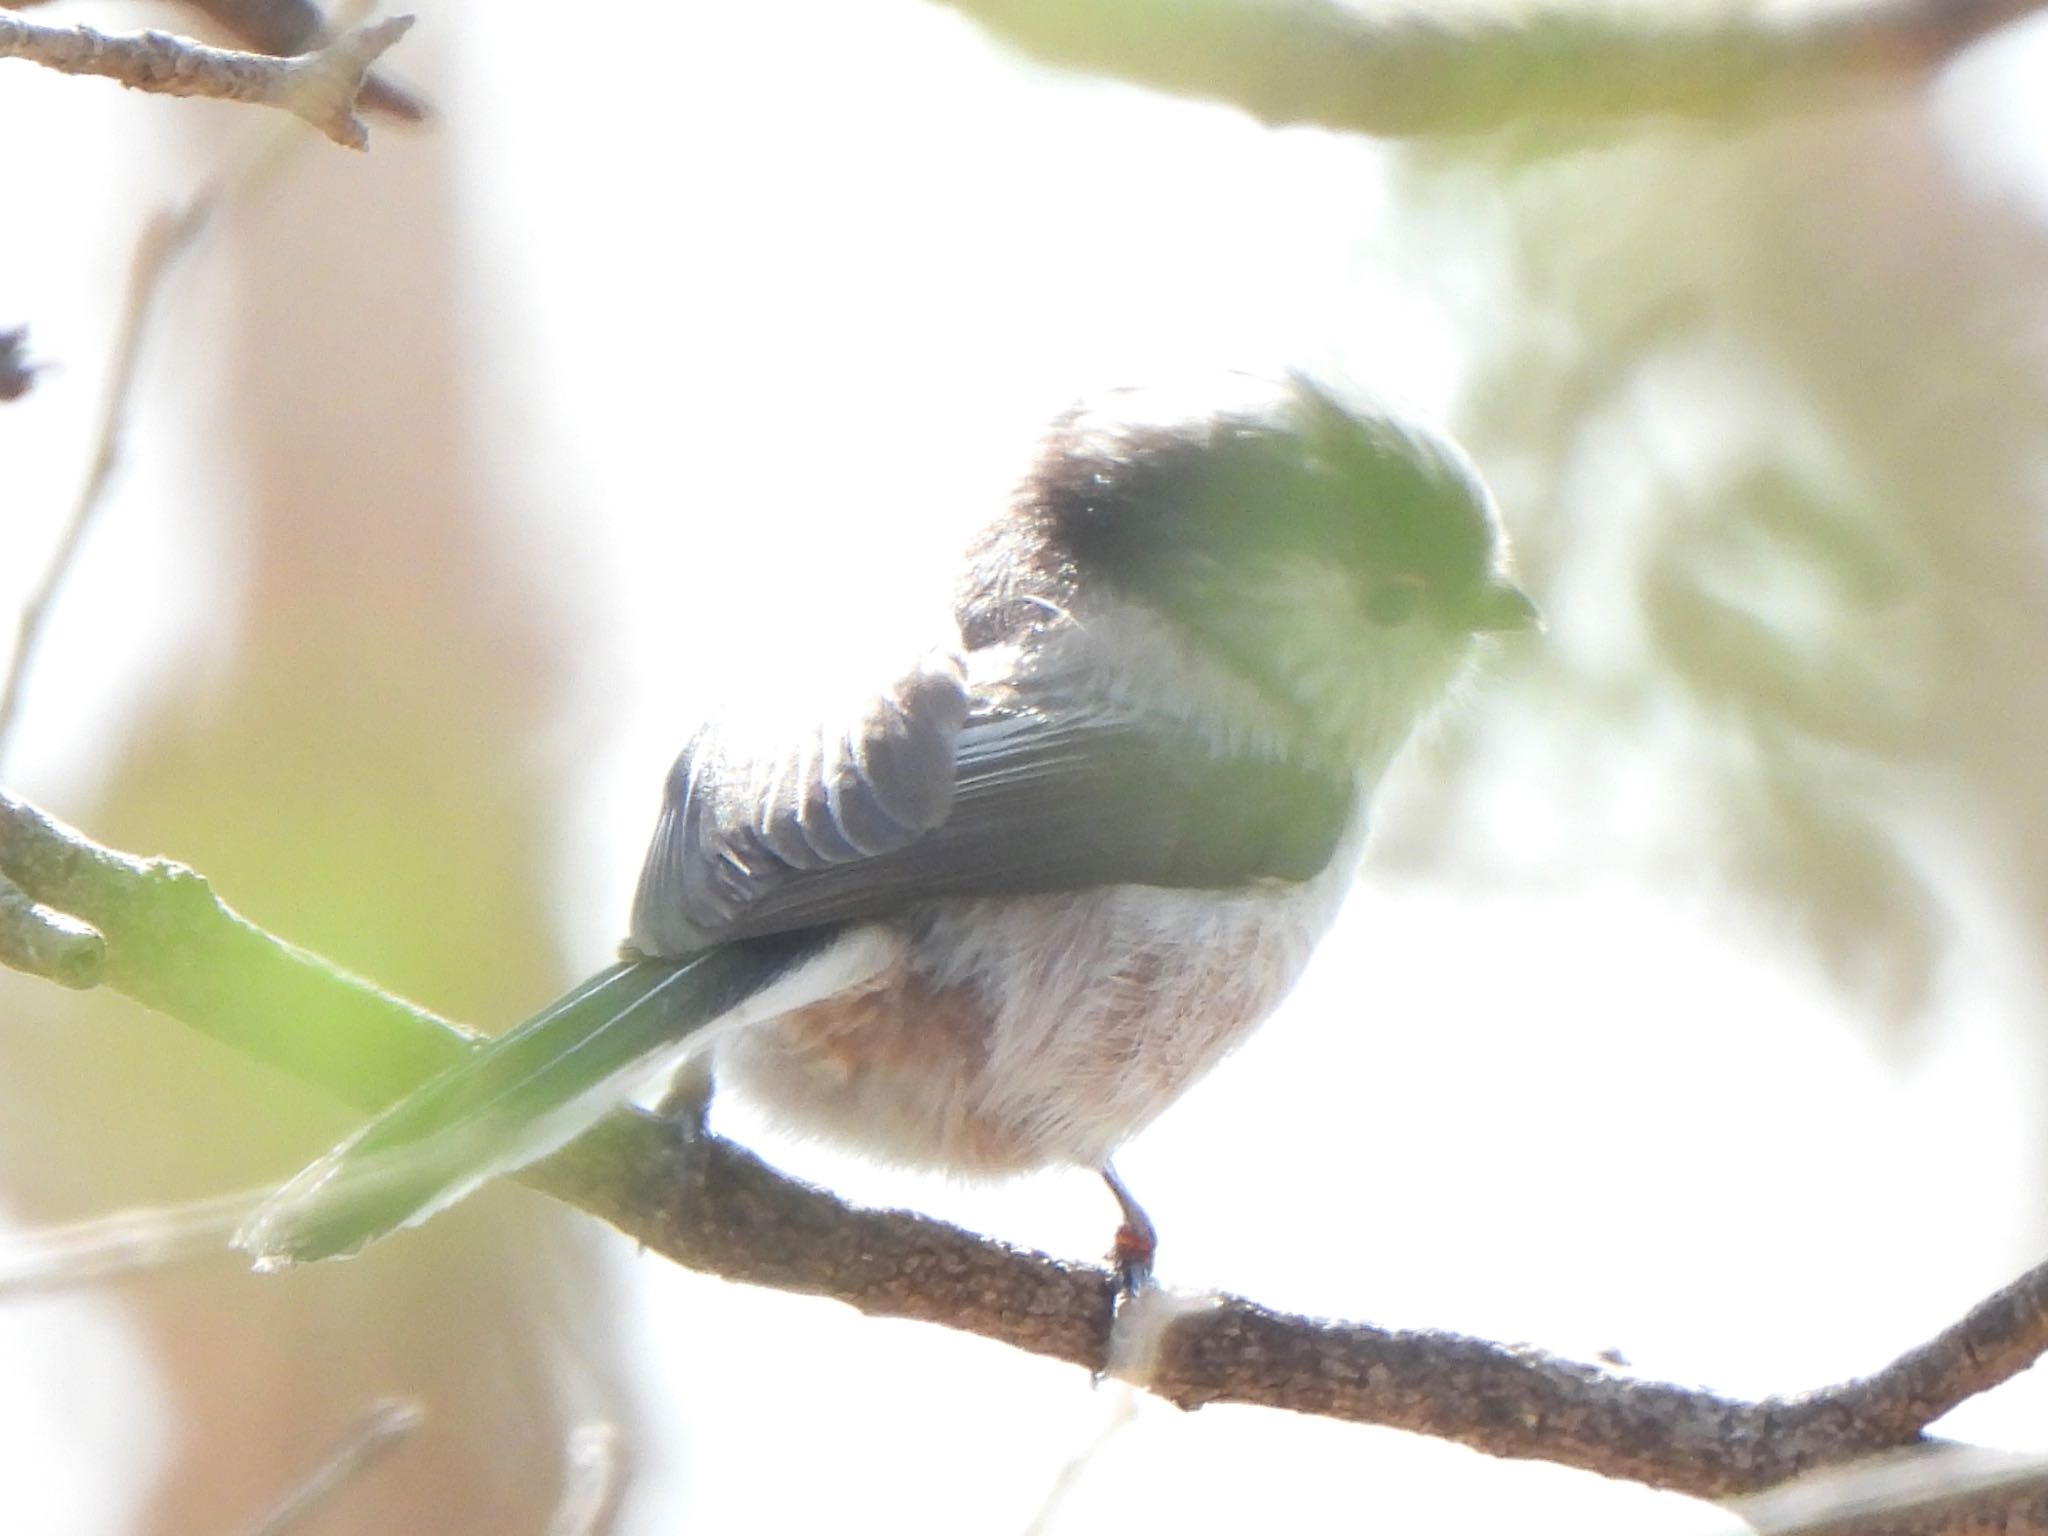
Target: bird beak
[{"x": 1501, "y": 606}]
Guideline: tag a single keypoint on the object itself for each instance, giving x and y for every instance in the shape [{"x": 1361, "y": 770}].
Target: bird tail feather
[{"x": 518, "y": 1097}]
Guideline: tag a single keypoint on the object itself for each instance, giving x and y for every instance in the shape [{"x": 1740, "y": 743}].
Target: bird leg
[
  {"x": 686, "y": 1107},
  {"x": 1137, "y": 1240}
]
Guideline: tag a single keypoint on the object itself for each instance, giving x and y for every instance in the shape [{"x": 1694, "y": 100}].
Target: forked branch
[{"x": 320, "y": 88}]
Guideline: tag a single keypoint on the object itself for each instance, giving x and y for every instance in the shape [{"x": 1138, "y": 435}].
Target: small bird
[{"x": 1000, "y": 918}]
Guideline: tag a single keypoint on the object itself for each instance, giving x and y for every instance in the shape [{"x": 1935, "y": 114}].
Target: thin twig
[
  {"x": 320, "y": 88},
  {"x": 285, "y": 27},
  {"x": 61, "y": 1257},
  {"x": 388, "y": 1424},
  {"x": 710, "y": 1205},
  {"x": 167, "y": 237},
  {"x": 297, "y": 26},
  {"x": 593, "y": 1482},
  {"x": 1123, "y": 1413}
]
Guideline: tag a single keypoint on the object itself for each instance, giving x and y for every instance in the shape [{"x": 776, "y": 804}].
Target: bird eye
[{"x": 1394, "y": 601}]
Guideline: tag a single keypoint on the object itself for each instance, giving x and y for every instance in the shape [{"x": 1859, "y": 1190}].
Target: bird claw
[{"x": 1132, "y": 1254}]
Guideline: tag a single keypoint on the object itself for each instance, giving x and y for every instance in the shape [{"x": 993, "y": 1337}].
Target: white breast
[
  {"x": 1025, "y": 1031},
  {"x": 1105, "y": 1006}
]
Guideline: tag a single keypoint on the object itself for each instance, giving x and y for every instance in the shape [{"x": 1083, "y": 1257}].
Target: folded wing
[{"x": 935, "y": 792}]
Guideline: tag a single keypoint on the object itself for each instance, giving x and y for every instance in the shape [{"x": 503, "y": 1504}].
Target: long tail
[{"x": 528, "y": 1092}]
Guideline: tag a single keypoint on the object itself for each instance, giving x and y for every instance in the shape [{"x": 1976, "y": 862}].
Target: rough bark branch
[
  {"x": 320, "y": 88},
  {"x": 713, "y": 1206},
  {"x": 1411, "y": 72}
]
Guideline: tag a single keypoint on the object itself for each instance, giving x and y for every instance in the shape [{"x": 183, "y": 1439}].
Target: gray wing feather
[
  {"x": 931, "y": 794},
  {"x": 731, "y": 830}
]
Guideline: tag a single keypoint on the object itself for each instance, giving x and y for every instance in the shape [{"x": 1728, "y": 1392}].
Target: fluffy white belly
[{"x": 1019, "y": 1032}]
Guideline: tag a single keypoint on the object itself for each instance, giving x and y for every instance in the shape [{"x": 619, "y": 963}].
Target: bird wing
[
  {"x": 936, "y": 792},
  {"x": 758, "y": 866}
]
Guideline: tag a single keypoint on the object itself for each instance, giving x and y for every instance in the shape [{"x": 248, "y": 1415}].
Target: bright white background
[{"x": 800, "y": 321}]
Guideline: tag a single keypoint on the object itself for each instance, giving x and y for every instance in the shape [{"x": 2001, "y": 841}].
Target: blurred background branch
[
  {"x": 165, "y": 238},
  {"x": 383, "y": 1428},
  {"x": 1412, "y": 71},
  {"x": 481, "y": 1342},
  {"x": 594, "y": 1475}
]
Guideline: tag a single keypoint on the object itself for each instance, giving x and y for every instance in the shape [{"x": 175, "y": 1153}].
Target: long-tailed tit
[{"x": 999, "y": 919}]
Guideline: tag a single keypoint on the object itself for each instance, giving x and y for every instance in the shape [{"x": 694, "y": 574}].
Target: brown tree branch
[
  {"x": 320, "y": 88},
  {"x": 713, "y": 1206},
  {"x": 1408, "y": 71}
]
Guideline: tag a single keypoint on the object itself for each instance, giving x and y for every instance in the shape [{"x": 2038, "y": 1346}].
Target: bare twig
[
  {"x": 167, "y": 237},
  {"x": 593, "y": 1482},
  {"x": 1123, "y": 1413},
  {"x": 320, "y": 88},
  {"x": 388, "y": 1424},
  {"x": 128, "y": 1242},
  {"x": 1412, "y": 70},
  {"x": 297, "y": 26},
  {"x": 283, "y": 27},
  {"x": 708, "y": 1204}
]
